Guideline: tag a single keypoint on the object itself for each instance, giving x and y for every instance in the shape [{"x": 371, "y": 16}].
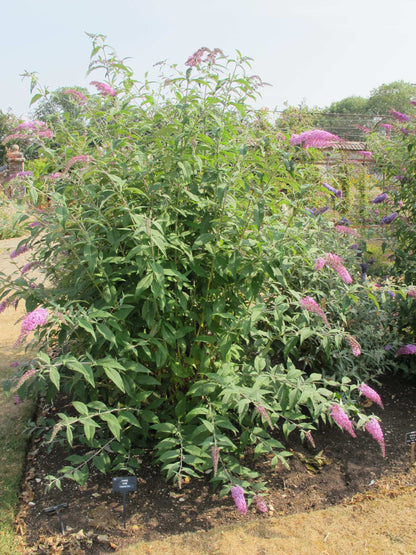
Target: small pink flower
[
  {"x": 104, "y": 89},
  {"x": 261, "y": 410},
  {"x": 346, "y": 230},
  {"x": 17, "y": 400},
  {"x": 316, "y": 138},
  {"x": 309, "y": 437},
  {"x": 355, "y": 346},
  {"x": 340, "y": 417},
  {"x": 368, "y": 392},
  {"x": 82, "y": 99},
  {"x": 238, "y": 495},
  {"x": 366, "y": 153},
  {"x": 26, "y": 376},
  {"x": 215, "y": 455},
  {"x": 320, "y": 263},
  {"x": 374, "y": 429},
  {"x": 309, "y": 304},
  {"x": 412, "y": 292},
  {"x": 261, "y": 505},
  {"x": 34, "y": 224}
]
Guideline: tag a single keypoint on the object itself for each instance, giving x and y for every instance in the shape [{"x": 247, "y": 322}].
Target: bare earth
[{"x": 357, "y": 503}]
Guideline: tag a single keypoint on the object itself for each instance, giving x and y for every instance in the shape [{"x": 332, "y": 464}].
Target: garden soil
[{"x": 342, "y": 497}]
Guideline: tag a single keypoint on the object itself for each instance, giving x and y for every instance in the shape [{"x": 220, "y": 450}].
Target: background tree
[
  {"x": 392, "y": 96},
  {"x": 8, "y": 121}
]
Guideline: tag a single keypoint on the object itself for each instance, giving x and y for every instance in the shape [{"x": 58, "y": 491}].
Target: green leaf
[
  {"x": 113, "y": 424},
  {"x": 115, "y": 377},
  {"x": 54, "y": 376},
  {"x": 83, "y": 368},
  {"x": 80, "y": 407},
  {"x": 87, "y": 326}
]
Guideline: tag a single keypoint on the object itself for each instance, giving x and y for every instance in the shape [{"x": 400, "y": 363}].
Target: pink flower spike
[
  {"x": 320, "y": 263},
  {"x": 309, "y": 437},
  {"x": 311, "y": 305},
  {"x": 34, "y": 319},
  {"x": 340, "y": 417},
  {"x": 412, "y": 292},
  {"x": 374, "y": 429},
  {"x": 77, "y": 95},
  {"x": 316, "y": 138},
  {"x": 261, "y": 505},
  {"x": 84, "y": 158},
  {"x": 261, "y": 410},
  {"x": 353, "y": 343},
  {"x": 368, "y": 392},
  {"x": 215, "y": 454},
  {"x": 104, "y": 89},
  {"x": 238, "y": 495}
]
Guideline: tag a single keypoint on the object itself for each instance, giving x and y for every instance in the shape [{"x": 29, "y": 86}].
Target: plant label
[
  {"x": 126, "y": 484},
  {"x": 410, "y": 438}
]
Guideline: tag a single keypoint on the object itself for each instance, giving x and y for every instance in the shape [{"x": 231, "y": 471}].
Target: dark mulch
[{"x": 157, "y": 509}]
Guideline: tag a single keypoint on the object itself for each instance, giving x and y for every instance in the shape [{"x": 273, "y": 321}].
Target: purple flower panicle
[
  {"x": 374, "y": 429},
  {"x": 104, "y": 89},
  {"x": 340, "y": 417},
  {"x": 81, "y": 99},
  {"x": 353, "y": 343},
  {"x": 34, "y": 319},
  {"x": 366, "y": 153},
  {"x": 399, "y": 116},
  {"x": 336, "y": 192},
  {"x": 309, "y": 437},
  {"x": 261, "y": 505},
  {"x": 309, "y": 304},
  {"x": 389, "y": 219},
  {"x": 369, "y": 392},
  {"x": 84, "y": 158},
  {"x": 380, "y": 198},
  {"x": 412, "y": 292},
  {"x": 406, "y": 350},
  {"x": 17, "y": 252},
  {"x": 316, "y": 138},
  {"x": 238, "y": 495},
  {"x": 346, "y": 230}
]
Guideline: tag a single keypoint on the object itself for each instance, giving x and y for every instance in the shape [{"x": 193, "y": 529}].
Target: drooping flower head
[
  {"x": 374, "y": 429},
  {"x": 389, "y": 219},
  {"x": 83, "y": 158},
  {"x": 79, "y": 97},
  {"x": 215, "y": 455},
  {"x": 335, "y": 192},
  {"x": 104, "y": 89},
  {"x": 309, "y": 437},
  {"x": 369, "y": 392},
  {"x": 412, "y": 292},
  {"x": 238, "y": 495},
  {"x": 336, "y": 263},
  {"x": 340, "y": 417},
  {"x": 353, "y": 343},
  {"x": 380, "y": 198},
  {"x": 399, "y": 116},
  {"x": 406, "y": 350},
  {"x": 261, "y": 410},
  {"x": 20, "y": 250},
  {"x": 309, "y": 304},
  {"x": 260, "y": 503},
  {"x": 34, "y": 319},
  {"x": 316, "y": 138}
]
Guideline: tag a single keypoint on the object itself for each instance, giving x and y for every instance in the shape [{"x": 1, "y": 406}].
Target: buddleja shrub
[{"x": 165, "y": 241}]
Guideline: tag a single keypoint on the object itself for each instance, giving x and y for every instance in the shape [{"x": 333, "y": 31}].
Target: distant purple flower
[
  {"x": 320, "y": 263},
  {"x": 387, "y": 347},
  {"x": 34, "y": 319},
  {"x": 317, "y": 138},
  {"x": 389, "y": 219},
  {"x": 261, "y": 410},
  {"x": 355, "y": 247},
  {"x": 368, "y": 392},
  {"x": 412, "y": 292},
  {"x": 27, "y": 267},
  {"x": 391, "y": 294},
  {"x": 17, "y": 400},
  {"x": 404, "y": 131},
  {"x": 53, "y": 176},
  {"x": 353, "y": 343},
  {"x": 26, "y": 376},
  {"x": 23, "y": 174},
  {"x": 20, "y": 250},
  {"x": 380, "y": 198},
  {"x": 366, "y": 153},
  {"x": 346, "y": 230},
  {"x": 238, "y": 495},
  {"x": 406, "y": 350},
  {"x": 399, "y": 116},
  {"x": 104, "y": 89},
  {"x": 197, "y": 57},
  {"x": 340, "y": 417},
  {"x": 374, "y": 429},
  {"x": 4, "y": 304},
  {"x": 337, "y": 193},
  {"x": 413, "y": 102},
  {"x": 309, "y": 304},
  {"x": 386, "y": 126},
  {"x": 261, "y": 505}
]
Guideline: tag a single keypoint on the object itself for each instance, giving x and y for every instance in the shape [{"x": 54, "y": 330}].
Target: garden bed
[{"x": 335, "y": 472}]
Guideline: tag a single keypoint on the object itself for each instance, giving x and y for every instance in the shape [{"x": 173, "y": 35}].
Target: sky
[{"x": 310, "y": 51}]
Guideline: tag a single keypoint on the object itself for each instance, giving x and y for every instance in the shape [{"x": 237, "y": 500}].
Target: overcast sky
[{"x": 316, "y": 51}]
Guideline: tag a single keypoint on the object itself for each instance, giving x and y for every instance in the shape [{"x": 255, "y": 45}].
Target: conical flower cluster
[{"x": 340, "y": 417}]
